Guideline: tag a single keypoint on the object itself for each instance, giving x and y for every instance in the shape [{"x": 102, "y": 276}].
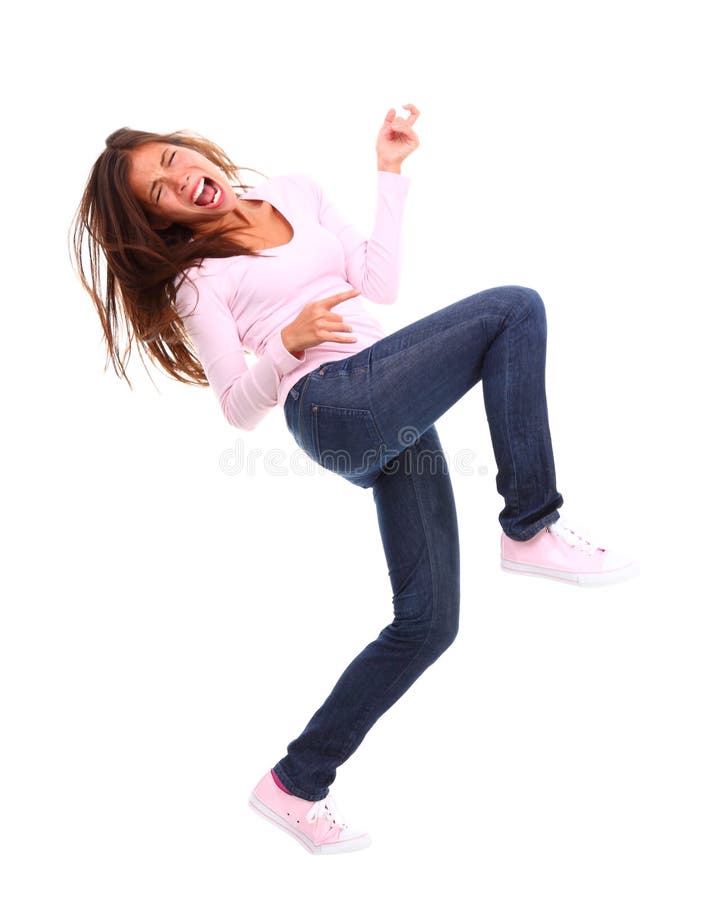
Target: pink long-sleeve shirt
[{"x": 244, "y": 302}]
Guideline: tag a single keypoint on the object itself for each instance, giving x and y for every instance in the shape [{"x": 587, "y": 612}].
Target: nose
[
  {"x": 178, "y": 177},
  {"x": 185, "y": 183}
]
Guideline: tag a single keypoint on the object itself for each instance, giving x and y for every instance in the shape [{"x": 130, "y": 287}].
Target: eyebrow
[{"x": 162, "y": 164}]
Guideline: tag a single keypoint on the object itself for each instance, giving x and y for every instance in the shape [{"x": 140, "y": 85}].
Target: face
[{"x": 166, "y": 179}]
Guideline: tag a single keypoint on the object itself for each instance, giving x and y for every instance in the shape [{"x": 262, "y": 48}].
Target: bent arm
[{"x": 245, "y": 394}]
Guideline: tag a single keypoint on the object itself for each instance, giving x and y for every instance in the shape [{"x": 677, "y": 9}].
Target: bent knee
[
  {"x": 441, "y": 638},
  {"x": 523, "y": 301},
  {"x": 531, "y": 298}
]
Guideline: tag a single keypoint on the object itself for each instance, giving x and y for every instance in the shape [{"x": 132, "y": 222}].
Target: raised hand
[{"x": 396, "y": 139}]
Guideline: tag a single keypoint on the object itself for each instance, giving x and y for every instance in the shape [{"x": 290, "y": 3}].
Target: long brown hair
[{"x": 141, "y": 262}]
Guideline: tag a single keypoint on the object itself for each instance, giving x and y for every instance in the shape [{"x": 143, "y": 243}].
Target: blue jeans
[{"x": 370, "y": 418}]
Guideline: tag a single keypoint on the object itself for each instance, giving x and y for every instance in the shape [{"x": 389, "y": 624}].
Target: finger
[
  {"x": 402, "y": 125},
  {"x": 340, "y": 322},
  {"x": 414, "y": 113},
  {"x": 336, "y": 336},
  {"x": 338, "y": 298}
]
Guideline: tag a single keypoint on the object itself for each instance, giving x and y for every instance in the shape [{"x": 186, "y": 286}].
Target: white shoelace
[
  {"x": 326, "y": 808},
  {"x": 571, "y": 537}
]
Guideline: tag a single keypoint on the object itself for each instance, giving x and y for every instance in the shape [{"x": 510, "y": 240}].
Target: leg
[
  {"x": 369, "y": 407},
  {"x": 418, "y": 524}
]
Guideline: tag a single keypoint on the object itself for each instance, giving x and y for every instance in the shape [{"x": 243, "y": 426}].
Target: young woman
[{"x": 204, "y": 271}]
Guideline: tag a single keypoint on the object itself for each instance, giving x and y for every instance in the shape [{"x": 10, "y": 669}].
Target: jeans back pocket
[{"x": 345, "y": 441}]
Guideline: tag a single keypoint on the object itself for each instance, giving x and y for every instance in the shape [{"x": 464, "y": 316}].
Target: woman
[{"x": 194, "y": 263}]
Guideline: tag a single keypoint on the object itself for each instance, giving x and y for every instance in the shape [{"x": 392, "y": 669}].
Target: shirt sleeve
[
  {"x": 373, "y": 266},
  {"x": 245, "y": 393}
]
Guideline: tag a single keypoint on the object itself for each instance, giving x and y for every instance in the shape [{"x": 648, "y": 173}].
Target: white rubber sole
[
  {"x": 581, "y": 579},
  {"x": 359, "y": 842}
]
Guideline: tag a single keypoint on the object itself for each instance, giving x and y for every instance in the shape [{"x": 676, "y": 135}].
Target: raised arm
[{"x": 373, "y": 264}]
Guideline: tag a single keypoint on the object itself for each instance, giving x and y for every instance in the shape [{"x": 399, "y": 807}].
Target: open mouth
[{"x": 207, "y": 194}]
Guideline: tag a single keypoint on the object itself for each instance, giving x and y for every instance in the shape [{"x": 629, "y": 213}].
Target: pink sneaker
[
  {"x": 557, "y": 551},
  {"x": 316, "y": 824}
]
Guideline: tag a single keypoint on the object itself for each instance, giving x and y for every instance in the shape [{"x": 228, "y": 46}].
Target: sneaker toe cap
[{"x": 613, "y": 561}]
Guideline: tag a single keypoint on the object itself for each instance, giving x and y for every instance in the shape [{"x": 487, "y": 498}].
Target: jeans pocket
[{"x": 345, "y": 441}]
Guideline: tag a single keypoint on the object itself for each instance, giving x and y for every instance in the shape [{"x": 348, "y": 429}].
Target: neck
[{"x": 238, "y": 219}]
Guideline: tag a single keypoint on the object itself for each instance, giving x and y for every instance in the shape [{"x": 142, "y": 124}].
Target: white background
[{"x": 168, "y": 626}]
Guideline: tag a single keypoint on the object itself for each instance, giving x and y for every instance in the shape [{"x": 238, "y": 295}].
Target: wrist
[
  {"x": 389, "y": 167},
  {"x": 286, "y": 344}
]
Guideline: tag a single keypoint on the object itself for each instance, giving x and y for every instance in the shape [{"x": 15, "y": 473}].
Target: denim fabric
[{"x": 370, "y": 418}]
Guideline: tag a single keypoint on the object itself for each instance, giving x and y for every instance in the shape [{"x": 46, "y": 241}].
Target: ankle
[{"x": 279, "y": 783}]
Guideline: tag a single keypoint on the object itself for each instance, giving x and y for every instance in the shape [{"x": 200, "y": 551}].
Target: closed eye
[{"x": 169, "y": 164}]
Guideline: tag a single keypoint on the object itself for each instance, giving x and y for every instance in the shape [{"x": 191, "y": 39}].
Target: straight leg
[{"x": 418, "y": 525}]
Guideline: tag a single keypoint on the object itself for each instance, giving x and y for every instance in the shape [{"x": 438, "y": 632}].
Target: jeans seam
[
  {"x": 509, "y": 441},
  {"x": 508, "y": 429},
  {"x": 300, "y": 410}
]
